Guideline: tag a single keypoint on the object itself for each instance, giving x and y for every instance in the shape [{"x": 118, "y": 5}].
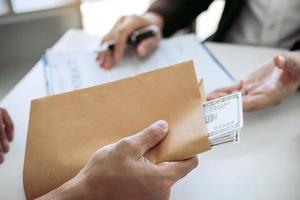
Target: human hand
[
  {"x": 120, "y": 171},
  {"x": 120, "y": 33},
  {"x": 267, "y": 86},
  {"x": 6, "y": 133}
]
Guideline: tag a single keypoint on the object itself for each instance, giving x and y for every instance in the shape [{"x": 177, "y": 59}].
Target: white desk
[{"x": 265, "y": 165}]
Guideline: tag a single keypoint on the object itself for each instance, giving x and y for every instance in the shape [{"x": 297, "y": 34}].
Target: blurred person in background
[{"x": 251, "y": 22}]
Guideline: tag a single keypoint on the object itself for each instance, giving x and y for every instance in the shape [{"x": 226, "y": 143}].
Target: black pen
[{"x": 135, "y": 38}]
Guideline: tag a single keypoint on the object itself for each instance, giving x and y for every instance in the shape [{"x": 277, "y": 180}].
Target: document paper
[{"x": 67, "y": 70}]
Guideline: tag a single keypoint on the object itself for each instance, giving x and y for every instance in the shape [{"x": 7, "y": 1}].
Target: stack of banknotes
[{"x": 224, "y": 119}]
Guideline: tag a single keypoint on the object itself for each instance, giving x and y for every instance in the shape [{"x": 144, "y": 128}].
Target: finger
[
  {"x": 151, "y": 136},
  {"x": 121, "y": 41},
  {"x": 3, "y": 139},
  {"x": 214, "y": 95},
  {"x": 104, "y": 58},
  {"x": 100, "y": 58},
  {"x": 225, "y": 91},
  {"x": 229, "y": 89},
  {"x": 289, "y": 61},
  {"x": 1, "y": 147},
  {"x": 111, "y": 36},
  {"x": 100, "y": 55},
  {"x": 1, "y": 157},
  {"x": 279, "y": 61},
  {"x": 128, "y": 26},
  {"x": 257, "y": 102},
  {"x": 9, "y": 126},
  {"x": 147, "y": 46},
  {"x": 179, "y": 169},
  {"x": 5, "y": 144},
  {"x": 107, "y": 60}
]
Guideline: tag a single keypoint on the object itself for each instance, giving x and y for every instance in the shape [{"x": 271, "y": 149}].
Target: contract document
[{"x": 76, "y": 68}]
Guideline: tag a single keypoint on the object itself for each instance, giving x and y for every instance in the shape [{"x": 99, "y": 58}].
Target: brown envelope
[{"x": 66, "y": 129}]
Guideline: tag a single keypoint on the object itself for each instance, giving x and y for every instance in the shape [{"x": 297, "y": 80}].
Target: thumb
[
  {"x": 289, "y": 61},
  {"x": 147, "y": 46},
  {"x": 151, "y": 136}
]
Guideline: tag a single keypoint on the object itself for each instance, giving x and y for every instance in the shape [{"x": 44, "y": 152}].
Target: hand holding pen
[{"x": 140, "y": 32}]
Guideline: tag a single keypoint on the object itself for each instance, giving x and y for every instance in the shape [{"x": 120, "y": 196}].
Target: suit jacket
[
  {"x": 296, "y": 45},
  {"x": 179, "y": 14}
]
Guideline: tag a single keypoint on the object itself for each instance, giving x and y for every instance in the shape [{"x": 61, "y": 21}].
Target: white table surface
[{"x": 264, "y": 165}]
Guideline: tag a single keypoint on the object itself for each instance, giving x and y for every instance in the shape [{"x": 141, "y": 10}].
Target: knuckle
[
  {"x": 107, "y": 38},
  {"x": 122, "y": 18},
  {"x": 122, "y": 31},
  {"x": 134, "y": 17},
  {"x": 123, "y": 149},
  {"x": 125, "y": 144},
  {"x": 104, "y": 150},
  {"x": 121, "y": 144},
  {"x": 98, "y": 153},
  {"x": 136, "y": 20},
  {"x": 98, "y": 156}
]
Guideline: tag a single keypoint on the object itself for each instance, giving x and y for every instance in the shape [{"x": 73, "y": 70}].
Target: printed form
[{"x": 67, "y": 69}]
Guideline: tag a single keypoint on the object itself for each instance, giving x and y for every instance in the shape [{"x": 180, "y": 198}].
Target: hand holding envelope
[
  {"x": 66, "y": 129},
  {"x": 120, "y": 171}
]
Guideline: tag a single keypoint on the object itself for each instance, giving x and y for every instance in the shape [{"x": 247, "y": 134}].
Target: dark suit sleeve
[
  {"x": 296, "y": 46},
  {"x": 178, "y": 14}
]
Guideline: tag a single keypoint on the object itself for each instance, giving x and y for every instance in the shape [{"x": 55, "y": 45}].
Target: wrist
[
  {"x": 74, "y": 189},
  {"x": 155, "y": 19}
]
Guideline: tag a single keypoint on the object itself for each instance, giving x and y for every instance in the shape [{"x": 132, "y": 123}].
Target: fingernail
[
  {"x": 162, "y": 124},
  {"x": 281, "y": 60}
]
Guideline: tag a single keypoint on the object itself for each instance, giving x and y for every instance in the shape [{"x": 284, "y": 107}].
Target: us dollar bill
[{"x": 224, "y": 118}]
